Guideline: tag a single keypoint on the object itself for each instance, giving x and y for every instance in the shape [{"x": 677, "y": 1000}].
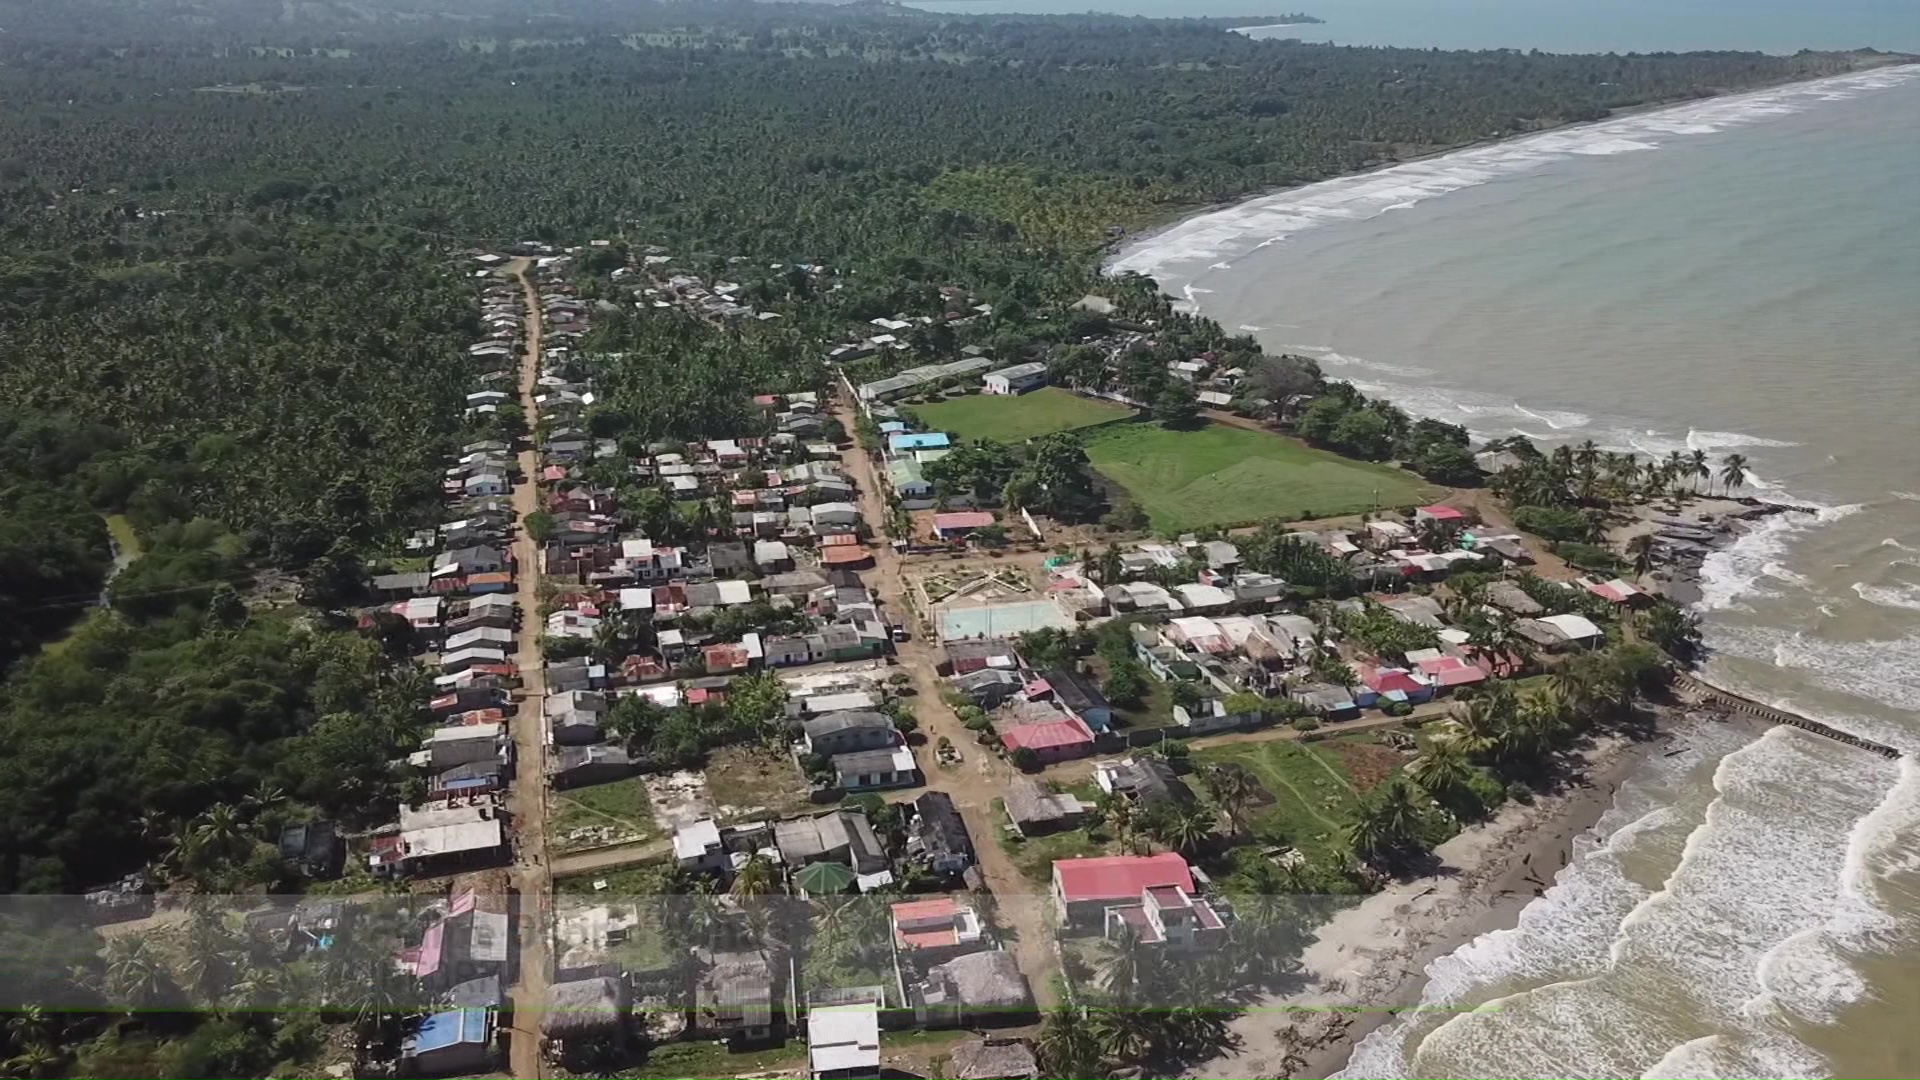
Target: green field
[
  {"x": 1313, "y": 796},
  {"x": 1219, "y": 475},
  {"x": 1016, "y": 419}
]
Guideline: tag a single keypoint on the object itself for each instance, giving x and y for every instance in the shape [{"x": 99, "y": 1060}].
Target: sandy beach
[{"x": 1372, "y": 957}]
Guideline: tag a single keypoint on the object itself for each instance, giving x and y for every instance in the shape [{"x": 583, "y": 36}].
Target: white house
[{"x": 1017, "y": 379}]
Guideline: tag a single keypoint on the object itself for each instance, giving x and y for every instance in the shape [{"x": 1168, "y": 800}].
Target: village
[{"x": 768, "y": 753}]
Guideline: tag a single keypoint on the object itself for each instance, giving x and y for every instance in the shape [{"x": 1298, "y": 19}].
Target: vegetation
[
  {"x": 1219, "y": 475},
  {"x": 1016, "y": 419},
  {"x": 237, "y": 308}
]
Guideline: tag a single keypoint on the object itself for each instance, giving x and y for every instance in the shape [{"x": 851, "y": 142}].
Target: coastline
[
  {"x": 1177, "y": 216},
  {"x": 1372, "y": 957}
]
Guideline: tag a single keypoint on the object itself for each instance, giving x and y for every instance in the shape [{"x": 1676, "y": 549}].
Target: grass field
[
  {"x": 1016, "y": 419},
  {"x": 1219, "y": 475},
  {"x": 613, "y": 813},
  {"x": 1313, "y": 794}
]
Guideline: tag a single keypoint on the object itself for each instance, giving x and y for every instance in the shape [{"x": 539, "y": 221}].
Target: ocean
[
  {"x": 1740, "y": 274},
  {"x": 1776, "y": 26}
]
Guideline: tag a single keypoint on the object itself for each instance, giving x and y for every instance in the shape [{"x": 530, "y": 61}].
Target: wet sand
[{"x": 1372, "y": 957}]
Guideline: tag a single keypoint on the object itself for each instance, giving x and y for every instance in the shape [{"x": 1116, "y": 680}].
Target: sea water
[
  {"x": 1776, "y": 26},
  {"x": 1737, "y": 275}
]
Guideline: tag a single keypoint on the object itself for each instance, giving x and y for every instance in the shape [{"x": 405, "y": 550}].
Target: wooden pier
[{"x": 1729, "y": 700}]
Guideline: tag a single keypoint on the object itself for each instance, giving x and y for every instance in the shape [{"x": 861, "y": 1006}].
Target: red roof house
[
  {"x": 960, "y": 523},
  {"x": 1445, "y": 515},
  {"x": 1053, "y": 740},
  {"x": 1448, "y": 671},
  {"x": 1085, "y": 888}
]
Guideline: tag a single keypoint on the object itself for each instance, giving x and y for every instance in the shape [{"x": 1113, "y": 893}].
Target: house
[
  {"x": 482, "y": 484},
  {"x": 976, "y": 653},
  {"x": 698, "y": 847},
  {"x": 477, "y": 560},
  {"x": 1511, "y": 599},
  {"x": 1330, "y": 702},
  {"x": 396, "y": 586},
  {"x": 961, "y": 523},
  {"x": 843, "y": 836},
  {"x": 468, "y": 780},
  {"x": 1380, "y": 685},
  {"x": 314, "y": 849},
  {"x": 1017, "y": 379},
  {"x": 973, "y": 989},
  {"x": 939, "y": 834},
  {"x": 992, "y": 1059},
  {"x": 935, "y": 929},
  {"x": 1083, "y": 889},
  {"x": 480, "y": 633},
  {"x": 1619, "y": 591},
  {"x": 1077, "y": 694},
  {"x": 451, "y": 1043},
  {"x": 1142, "y": 781},
  {"x": 440, "y": 841},
  {"x": 1417, "y": 610},
  {"x": 450, "y": 746},
  {"x": 873, "y": 770},
  {"x": 809, "y": 702},
  {"x": 584, "y": 766},
  {"x": 1444, "y": 516},
  {"x": 581, "y": 1010},
  {"x": 1051, "y": 741},
  {"x": 1567, "y": 631},
  {"x": 836, "y": 513},
  {"x": 848, "y": 732},
  {"x": 735, "y": 1000},
  {"x": 1169, "y": 915},
  {"x": 1035, "y": 811},
  {"x": 1195, "y": 596},
  {"x": 771, "y": 556},
  {"x": 910, "y": 484},
  {"x": 843, "y": 1041},
  {"x": 907, "y": 442},
  {"x": 1446, "y": 671},
  {"x": 988, "y": 687},
  {"x": 455, "y": 662}
]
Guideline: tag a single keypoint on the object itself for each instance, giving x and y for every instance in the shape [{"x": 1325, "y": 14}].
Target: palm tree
[
  {"x": 1232, "y": 791},
  {"x": 1733, "y": 471},
  {"x": 1124, "y": 957},
  {"x": 1185, "y": 830},
  {"x": 757, "y": 877},
  {"x": 1367, "y": 836},
  {"x": 34, "y": 1060},
  {"x": 1121, "y": 1036},
  {"x": 221, "y": 831},
  {"x": 136, "y": 977},
  {"x": 1442, "y": 769},
  {"x": 1399, "y": 811},
  {"x": 1586, "y": 454},
  {"x": 30, "y": 1025},
  {"x": 1697, "y": 465},
  {"x": 1067, "y": 1045},
  {"x": 1640, "y": 550}
]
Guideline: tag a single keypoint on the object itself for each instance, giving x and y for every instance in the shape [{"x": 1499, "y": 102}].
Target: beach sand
[{"x": 1372, "y": 957}]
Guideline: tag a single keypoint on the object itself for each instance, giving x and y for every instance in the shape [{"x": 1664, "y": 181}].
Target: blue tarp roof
[
  {"x": 925, "y": 440},
  {"x": 441, "y": 1030}
]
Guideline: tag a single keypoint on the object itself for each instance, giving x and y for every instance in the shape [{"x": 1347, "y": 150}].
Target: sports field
[
  {"x": 1016, "y": 419},
  {"x": 1219, "y": 475}
]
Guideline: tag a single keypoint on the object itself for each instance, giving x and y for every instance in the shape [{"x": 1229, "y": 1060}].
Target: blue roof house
[
  {"x": 450, "y": 1043},
  {"x": 923, "y": 440}
]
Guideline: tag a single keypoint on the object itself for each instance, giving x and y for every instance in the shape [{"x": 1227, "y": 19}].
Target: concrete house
[
  {"x": 1017, "y": 379},
  {"x": 848, "y": 732},
  {"x": 875, "y": 770}
]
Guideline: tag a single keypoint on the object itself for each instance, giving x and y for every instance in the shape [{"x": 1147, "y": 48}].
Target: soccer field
[
  {"x": 1219, "y": 475},
  {"x": 1016, "y": 419}
]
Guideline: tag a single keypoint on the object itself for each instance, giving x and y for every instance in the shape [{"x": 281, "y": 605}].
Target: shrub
[
  {"x": 1397, "y": 708},
  {"x": 1306, "y": 723}
]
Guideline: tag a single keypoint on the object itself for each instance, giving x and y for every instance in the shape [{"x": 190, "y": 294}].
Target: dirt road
[
  {"x": 981, "y": 777},
  {"x": 527, "y": 798},
  {"x": 608, "y": 858}
]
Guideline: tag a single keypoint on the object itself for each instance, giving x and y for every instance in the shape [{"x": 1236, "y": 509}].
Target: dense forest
[{"x": 235, "y": 319}]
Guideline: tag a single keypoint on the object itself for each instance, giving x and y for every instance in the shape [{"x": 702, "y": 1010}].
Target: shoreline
[
  {"x": 1179, "y": 216},
  {"x": 1374, "y": 955}
]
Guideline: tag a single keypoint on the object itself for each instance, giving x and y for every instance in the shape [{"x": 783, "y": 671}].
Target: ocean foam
[
  {"x": 1738, "y": 568},
  {"x": 1255, "y": 223},
  {"x": 1889, "y": 596}
]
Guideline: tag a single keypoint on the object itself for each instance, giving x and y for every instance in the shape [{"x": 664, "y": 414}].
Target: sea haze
[
  {"x": 1735, "y": 275},
  {"x": 1776, "y": 26}
]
